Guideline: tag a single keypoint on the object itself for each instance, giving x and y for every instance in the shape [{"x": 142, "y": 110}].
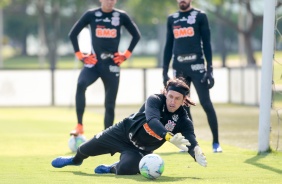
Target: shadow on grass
[
  {"x": 254, "y": 161},
  {"x": 137, "y": 177}
]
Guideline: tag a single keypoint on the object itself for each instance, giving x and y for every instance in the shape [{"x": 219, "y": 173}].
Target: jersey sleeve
[
  {"x": 132, "y": 28},
  {"x": 153, "y": 108},
  {"x": 76, "y": 29},
  {"x": 168, "y": 46},
  {"x": 206, "y": 39}
]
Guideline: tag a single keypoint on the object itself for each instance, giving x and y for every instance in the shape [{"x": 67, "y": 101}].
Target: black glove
[
  {"x": 165, "y": 76},
  {"x": 208, "y": 77}
]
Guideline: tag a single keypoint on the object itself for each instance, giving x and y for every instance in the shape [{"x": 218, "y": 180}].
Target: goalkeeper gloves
[
  {"x": 178, "y": 140},
  {"x": 86, "y": 59},
  {"x": 119, "y": 58},
  {"x": 200, "y": 157},
  {"x": 208, "y": 77}
]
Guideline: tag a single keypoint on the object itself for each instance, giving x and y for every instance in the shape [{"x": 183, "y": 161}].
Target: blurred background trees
[
  {"x": 40, "y": 27},
  {"x": 3, "y": 3}
]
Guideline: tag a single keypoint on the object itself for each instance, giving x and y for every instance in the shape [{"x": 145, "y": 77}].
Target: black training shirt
[
  {"x": 149, "y": 126},
  {"x": 105, "y": 30},
  {"x": 188, "y": 33}
]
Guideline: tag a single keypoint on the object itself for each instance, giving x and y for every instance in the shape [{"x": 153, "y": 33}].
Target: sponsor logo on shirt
[
  {"x": 106, "y": 33},
  {"x": 116, "y": 14},
  {"x": 99, "y": 135},
  {"x": 106, "y": 55},
  {"x": 175, "y": 15},
  {"x": 185, "y": 58},
  {"x": 176, "y": 21},
  {"x": 198, "y": 67},
  {"x": 194, "y": 13},
  {"x": 135, "y": 142},
  {"x": 106, "y": 19},
  {"x": 98, "y": 14},
  {"x": 114, "y": 69},
  {"x": 183, "y": 19},
  {"x": 183, "y": 32},
  {"x": 89, "y": 65}
]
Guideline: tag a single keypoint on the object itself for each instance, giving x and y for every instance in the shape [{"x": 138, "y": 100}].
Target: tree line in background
[{"x": 236, "y": 25}]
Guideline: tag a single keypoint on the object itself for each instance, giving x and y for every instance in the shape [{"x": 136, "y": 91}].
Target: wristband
[
  {"x": 127, "y": 54},
  {"x": 79, "y": 55},
  {"x": 168, "y": 136}
]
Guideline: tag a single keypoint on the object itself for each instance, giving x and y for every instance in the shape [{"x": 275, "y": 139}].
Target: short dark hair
[{"x": 179, "y": 84}]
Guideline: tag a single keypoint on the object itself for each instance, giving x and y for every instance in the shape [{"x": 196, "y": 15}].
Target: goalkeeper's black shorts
[{"x": 111, "y": 140}]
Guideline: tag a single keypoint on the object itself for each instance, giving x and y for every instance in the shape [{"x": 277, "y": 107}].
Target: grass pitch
[{"x": 33, "y": 137}]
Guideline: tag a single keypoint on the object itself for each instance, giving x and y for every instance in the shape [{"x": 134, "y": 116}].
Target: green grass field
[{"x": 32, "y": 137}]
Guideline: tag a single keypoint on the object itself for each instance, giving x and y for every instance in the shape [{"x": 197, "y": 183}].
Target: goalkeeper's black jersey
[
  {"x": 147, "y": 128},
  {"x": 188, "y": 37},
  {"x": 105, "y": 30}
]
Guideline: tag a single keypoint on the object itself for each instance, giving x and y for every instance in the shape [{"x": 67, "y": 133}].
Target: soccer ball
[
  {"x": 151, "y": 166},
  {"x": 76, "y": 141}
]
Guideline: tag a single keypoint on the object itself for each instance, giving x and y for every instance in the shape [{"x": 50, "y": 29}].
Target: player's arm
[
  {"x": 132, "y": 28},
  {"x": 194, "y": 150},
  {"x": 167, "y": 51},
  {"x": 206, "y": 40},
  {"x": 154, "y": 127},
  {"x": 153, "y": 107},
  {"x": 187, "y": 130},
  {"x": 89, "y": 58},
  {"x": 76, "y": 29}
]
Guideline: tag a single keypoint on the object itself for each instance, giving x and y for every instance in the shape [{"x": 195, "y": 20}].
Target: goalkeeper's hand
[
  {"x": 200, "y": 157},
  {"x": 86, "y": 58},
  {"x": 208, "y": 77},
  {"x": 178, "y": 140},
  {"x": 119, "y": 58}
]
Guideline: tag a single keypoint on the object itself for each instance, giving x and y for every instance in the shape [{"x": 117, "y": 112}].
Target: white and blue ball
[
  {"x": 76, "y": 141},
  {"x": 151, "y": 166}
]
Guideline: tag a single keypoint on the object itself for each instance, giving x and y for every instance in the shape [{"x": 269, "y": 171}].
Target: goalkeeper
[
  {"x": 105, "y": 24},
  {"x": 161, "y": 118}
]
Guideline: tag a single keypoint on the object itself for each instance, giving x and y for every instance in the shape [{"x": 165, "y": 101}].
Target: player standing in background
[
  {"x": 105, "y": 25},
  {"x": 187, "y": 42},
  {"x": 161, "y": 118}
]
